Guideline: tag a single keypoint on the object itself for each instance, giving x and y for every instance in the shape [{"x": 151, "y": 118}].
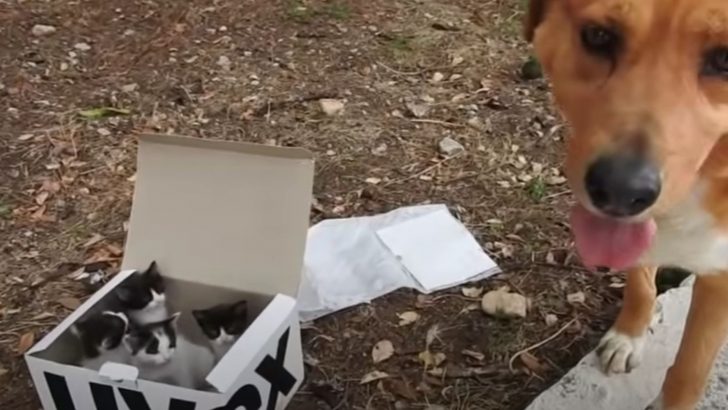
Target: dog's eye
[
  {"x": 600, "y": 41},
  {"x": 716, "y": 62}
]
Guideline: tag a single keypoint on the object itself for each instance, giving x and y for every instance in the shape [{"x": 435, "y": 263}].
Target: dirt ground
[{"x": 409, "y": 73}]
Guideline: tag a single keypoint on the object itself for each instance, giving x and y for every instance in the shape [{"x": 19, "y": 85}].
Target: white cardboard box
[{"x": 224, "y": 221}]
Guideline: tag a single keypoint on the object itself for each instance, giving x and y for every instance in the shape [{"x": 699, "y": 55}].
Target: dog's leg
[
  {"x": 705, "y": 331},
  {"x": 620, "y": 350}
]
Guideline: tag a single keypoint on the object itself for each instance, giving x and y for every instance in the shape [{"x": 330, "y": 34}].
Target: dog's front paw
[{"x": 620, "y": 353}]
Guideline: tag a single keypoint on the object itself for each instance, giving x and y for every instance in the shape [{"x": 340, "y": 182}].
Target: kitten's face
[
  {"x": 143, "y": 290},
  {"x": 224, "y": 323},
  {"x": 153, "y": 344},
  {"x": 101, "y": 332}
]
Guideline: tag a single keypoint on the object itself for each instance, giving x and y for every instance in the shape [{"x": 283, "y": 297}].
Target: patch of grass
[
  {"x": 5, "y": 209},
  {"x": 399, "y": 43},
  {"x": 297, "y": 11},
  {"x": 337, "y": 11},
  {"x": 536, "y": 189}
]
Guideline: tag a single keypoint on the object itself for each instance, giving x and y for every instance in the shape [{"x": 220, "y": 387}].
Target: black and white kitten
[
  {"x": 101, "y": 335},
  {"x": 162, "y": 355},
  {"x": 223, "y": 324},
  {"x": 142, "y": 296}
]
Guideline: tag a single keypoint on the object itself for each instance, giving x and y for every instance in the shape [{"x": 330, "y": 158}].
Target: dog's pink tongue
[{"x": 603, "y": 242}]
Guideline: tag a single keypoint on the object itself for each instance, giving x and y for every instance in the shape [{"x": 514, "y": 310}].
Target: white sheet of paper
[
  {"x": 436, "y": 249},
  {"x": 347, "y": 263}
]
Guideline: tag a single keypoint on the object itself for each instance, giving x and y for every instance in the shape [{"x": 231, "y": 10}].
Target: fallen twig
[
  {"x": 438, "y": 122},
  {"x": 424, "y": 171},
  {"x": 468, "y": 372},
  {"x": 539, "y": 344}
]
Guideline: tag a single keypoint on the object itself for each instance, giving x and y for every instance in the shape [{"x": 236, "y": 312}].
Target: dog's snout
[{"x": 623, "y": 185}]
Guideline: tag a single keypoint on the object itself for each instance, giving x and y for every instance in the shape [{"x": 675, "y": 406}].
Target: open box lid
[{"x": 222, "y": 213}]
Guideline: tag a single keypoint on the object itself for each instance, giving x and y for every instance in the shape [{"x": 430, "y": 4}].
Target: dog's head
[{"x": 644, "y": 86}]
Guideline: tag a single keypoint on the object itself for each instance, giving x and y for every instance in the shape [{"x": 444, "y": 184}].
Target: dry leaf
[
  {"x": 472, "y": 292},
  {"x": 3, "y": 371},
  {"x": 407, "y": 318},
  {"x": 69, "y": 303},
  {"x": 96, "y": 238},
  {"x": 400, "y": 388},
  {"x": 423, "y": 301},
  {"x": 576, "y": 297},
  {"x": 51, "y": 186},
  {"x": 531, "y": 362},
  {"x": 503, "y": 303},
  {"x": 469, "y": 308},
  {"x": 430, "y": 359},
  {"x": 373, "y": 376},
  {"x": 473, "y": 354},
  {"x": 114, "y": 250},
  {"x": 42, "y": 197},
  {"x": 382, "y": 351},
  {"x": 373, "y": 180},
  {"x": 38, "y": 214},
  {"x": 26, "y": 342},
  {"x": 44, "y": 315},
  {"x": 550, "y": 259},
  {"x": 432, "y": 334}
]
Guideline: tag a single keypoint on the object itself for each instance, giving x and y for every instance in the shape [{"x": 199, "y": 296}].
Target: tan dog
[{"x": 644, "y": 87}]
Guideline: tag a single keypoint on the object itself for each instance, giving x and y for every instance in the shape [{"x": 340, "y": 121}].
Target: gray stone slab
[{"x": 586, "y": 387}]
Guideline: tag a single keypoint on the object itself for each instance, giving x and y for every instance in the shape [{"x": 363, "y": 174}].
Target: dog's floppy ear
[{"x": 534, "y": 16}]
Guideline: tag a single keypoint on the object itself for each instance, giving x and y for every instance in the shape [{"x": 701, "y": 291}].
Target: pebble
[
  {"x": 40, "y": 30},
  {"x": 450, "y": 147},
  {"x": 224, "y": 62},
  {"x": 82, "y": 46},
  {"x": 331, "y": 106}
]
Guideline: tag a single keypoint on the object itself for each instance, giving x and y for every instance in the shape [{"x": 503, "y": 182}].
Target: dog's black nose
[{"x": 623, "y": 185}]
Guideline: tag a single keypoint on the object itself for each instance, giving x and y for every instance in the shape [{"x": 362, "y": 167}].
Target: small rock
[
  {"x": 129, "y": 88},
  {"x": 63, "y": 66},
  {"x": 437, "y": 77},
  {"x": 103, "y": 132},
  {"x": 576, "y": 297},
  {"x": 417, "y": 110},
  {"x": 224, "y": 62},
  {"x": 551, "y": 319},
  {"x": 531, "y": 69},
  {"x": 503, "y": 303},
  {"x": 450, "y": 147},
  {"x": 82, "y": 46},
  {"x": 331, "y": 106},
  {"x": 381, "y": 149},
  {"x": 40, "y": 30},
  {"x": 457, "y": 60}
]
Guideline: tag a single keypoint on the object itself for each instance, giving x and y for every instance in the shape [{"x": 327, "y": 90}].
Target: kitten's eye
[
  {"x": 715, "y": 62},
  {"x": 233, "y": 330},
  {"x": 212, "y": 332},
  {"x": 600, "y": 41}
]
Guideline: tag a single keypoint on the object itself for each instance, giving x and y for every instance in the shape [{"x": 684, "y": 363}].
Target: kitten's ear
[
  {"x": 153, "y": 271},
  {"x": 240, "y": 309},
  {"x": 154, "y": 278},
  {"x": 536, "y": 13},
  {"x": 200, "y": 316}
]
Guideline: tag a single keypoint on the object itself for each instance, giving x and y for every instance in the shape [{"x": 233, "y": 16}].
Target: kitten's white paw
[{"x": 620, "y": 353}]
